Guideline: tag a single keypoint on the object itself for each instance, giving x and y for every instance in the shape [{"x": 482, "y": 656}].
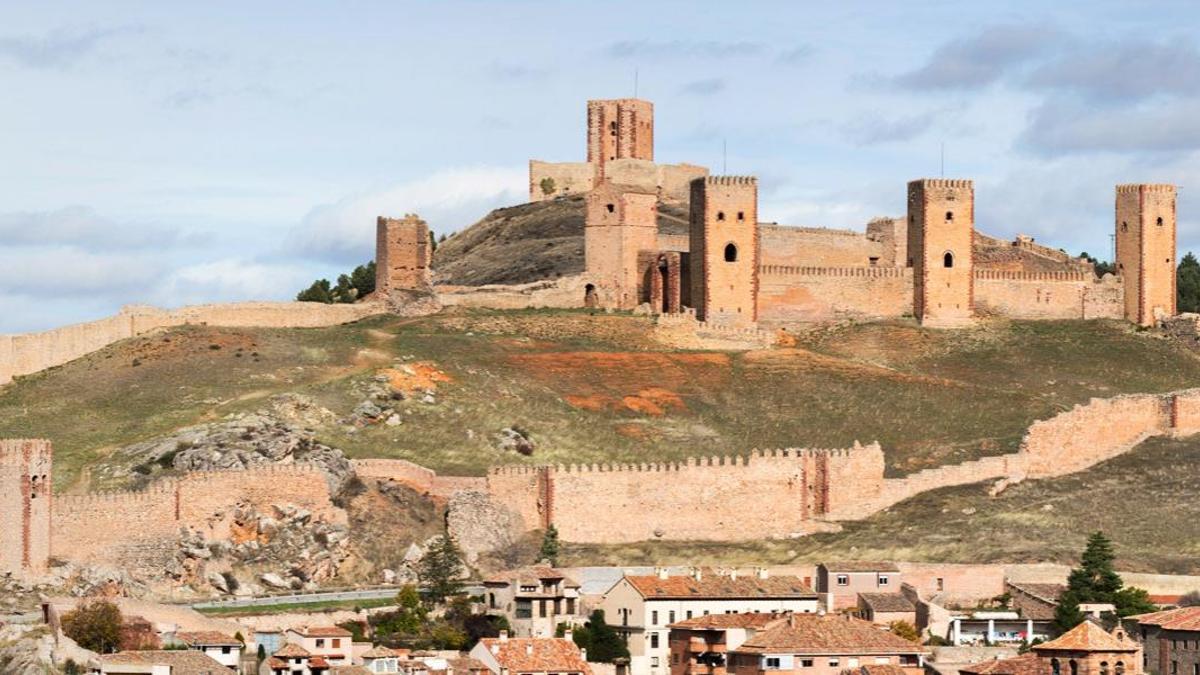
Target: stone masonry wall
[
  {"x": 32, "y": 352},
  {"x": 403, "y": 471},
  {"x": 818, "y": 247},
  {"x": 25, "y": 506},
  {"x": 121, "y": 526},
  {"x": 569, "y": 178},
  {"x": 810, "y": 294},
  {"x": 1048, "y": 295},
  {"x": 1145, "y": 226}
]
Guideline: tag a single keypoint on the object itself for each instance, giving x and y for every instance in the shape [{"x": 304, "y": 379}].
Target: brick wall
[
  {"x": 805, "y": 294},
  {"x": 620, "y": 224},
  {"x": 1047, "y": 295},
  {"x": 1091, "y": 433},
  {"x": 31, "y": 352},
  {"x": 724, "y": 249},
  {"x": 819, "y": 247},
  {"x": 620, "y": 128},
  {"x": 25, "y": 506},
  {"x": 941, "y": 223}
]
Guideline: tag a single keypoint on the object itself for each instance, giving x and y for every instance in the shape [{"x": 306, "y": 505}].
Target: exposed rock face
[
  {"x": 480, "y": 525},
  {"x": 246, "y": 440}
]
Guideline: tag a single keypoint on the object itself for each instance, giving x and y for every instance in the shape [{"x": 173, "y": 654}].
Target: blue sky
[{"x": 174, "y": 153}]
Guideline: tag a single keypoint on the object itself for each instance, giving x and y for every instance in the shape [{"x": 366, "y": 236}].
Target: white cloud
[
  {"x": 68, "y": 271},
  {"x": 449, "y": 200},
  {"x": 230, "y": 280}
]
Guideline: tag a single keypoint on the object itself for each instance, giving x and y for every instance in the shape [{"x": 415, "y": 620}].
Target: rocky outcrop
[{"x": 480, "y": 525}]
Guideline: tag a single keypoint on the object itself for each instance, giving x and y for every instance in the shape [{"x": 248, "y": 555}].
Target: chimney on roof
[
  {"x": 761, "y": 572},
  {"x": 791, "y": 620},
  {"x": 733, "y": 573},
  {"x": 661, "y": 572},
  {"x": 529, "y": 649},
  {"x": 495, "y": 648},
  {"x": 697, "y": 573},
  {"x": 583, "y": 654},
  {"x": 504, "y": 636},
  {"x": 569, "y": 635}
]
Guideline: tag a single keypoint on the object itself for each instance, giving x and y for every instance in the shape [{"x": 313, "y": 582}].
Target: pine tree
[
  {"x": 441, "y": 568},
  {"x": 1095, "y": 581},
  {"x": 549, "y": 550},
  {"x": 604, "y": 643},
  {"x": 319, "y": 291},
  {"x": 1187, "y": 284}
]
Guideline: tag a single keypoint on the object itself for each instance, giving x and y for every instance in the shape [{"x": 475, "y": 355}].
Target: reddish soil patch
[
  {"x": 424, "y": 376},
  {"x": 638, "y": 431}
]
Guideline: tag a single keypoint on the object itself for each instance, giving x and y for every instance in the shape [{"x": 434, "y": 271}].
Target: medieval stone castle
[
  {"x": 723, "y": 266},
  {"x": 730, "y": 268}
]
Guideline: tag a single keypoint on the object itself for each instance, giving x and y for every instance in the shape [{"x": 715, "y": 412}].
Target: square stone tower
[
  {"x": 25, "y": 507},
  {"x": 621, "y": 223},
  {"x": 941, "y": 226},
  {"x": 621, "y": 128},
  {"x": 723, "y": 249},
  {"x": 1146, "y": 250},
  {"x": 402, "y": 254}
]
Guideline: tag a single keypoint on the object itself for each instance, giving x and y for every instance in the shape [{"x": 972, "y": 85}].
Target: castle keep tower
[
  {"x": 620, "y": 128},
  {"x": 941, "y": 226},
  {"x": 723, "y": 248},
  {"x": 1146, "y": 250},
  {"x": 25, "y": 497},
  {"x": 621, "y": 223},
  {"x": 402, "y": 254}
]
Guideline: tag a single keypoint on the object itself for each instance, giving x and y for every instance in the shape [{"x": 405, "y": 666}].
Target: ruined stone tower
[
  {"x": 620, "y": 128},
  {"x": 941, "y": 225},
  {"x": 621, "y": 223},
  {"x": 1145, "y": 221},
  {"x": 402, "y": 254},
  {"x": 723, "y": 249},
  {"x": 25, "y": 507}
]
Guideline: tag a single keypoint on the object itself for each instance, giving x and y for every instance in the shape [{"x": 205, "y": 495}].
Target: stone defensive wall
[
  {"x": 670, "y": 181},
  {"x": 1049, "y": 295},
  {"x": 564, "y": 293},
  {"x": 740, "y": 495},
  {"x": 801, "y": 293},
  {"x": 818, "y": 247},
  {"x": 116, "y": 527},
  {"x": 28, "y": 353}
]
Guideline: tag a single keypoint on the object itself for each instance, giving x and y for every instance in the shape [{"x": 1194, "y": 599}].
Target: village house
[
  {"x": 884, "y": 609},
  {"x": 222, "y": 648},
  {"x": 383, "y": 660},
  {"x": 1086, "y": 649},
  {"x": 998, "y": 627},
  {"x": 839, "y": 583},
  {"x": 530, "y": 656},
  {"x": 1171, "y": 641},
  {"x": 332, "y": 643},
  {"x": 293, "y": 659},
  {"x": 823, "y": 644},
  {"x": 699, "y": 645},
  {"x": 535, "y": 600},
  {"x": 641, "y": 607},
  {"x": 159, "y": 662}
]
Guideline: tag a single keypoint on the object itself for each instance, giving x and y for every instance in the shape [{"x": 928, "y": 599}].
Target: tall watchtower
[
  {"x": 723, "y": 248},
  {"x": 621, "y": 128},
  {"x": 25, "y": 507},
  {"x": 941, "y": 226},
  {"x": 621, "y": 222},
  {"x": 402, "y": 254},
  {"x": 1145, "y": 221}
]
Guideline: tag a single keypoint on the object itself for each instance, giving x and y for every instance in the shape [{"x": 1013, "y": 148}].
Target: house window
[
  {"x": 852, "y": 663},
  {"x": 772, "y": 663},
  {"x": 653, "y": 618},
  {"x": 730, "y": 253},
  {"x": 654, "y": 641},
  {"x": 1074, "y": 666},
  {"x": 654, "y": 661},
  {"x": 671, "y": 616},
  {"x": 833, "y": 663},
  {"x": 1104, "y": 668},
  {"x": 843, "y": 580},
  {"x": 883, "y": 580},
  {"x": 336, "y": 643},
  {"x": 941, "y": 584},
  {"x": 688, "y": 614},
  {"x": 320, "y": 643},
  {"x": 226, "y": 650},
  {"x": 806, "y": 663},
  {"x": 1055, "y": 667},
  {"x": 1120, "y": 668},
  {"x": 1174, "y": 668}
]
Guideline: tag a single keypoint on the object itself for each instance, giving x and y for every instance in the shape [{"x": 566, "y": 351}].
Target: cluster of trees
[
  {"x": 94, "y": 625},
  {"x": 1095, "y": 581},
  {"x": 602, "y": 643},
  {"x": 349, "y": 288}
]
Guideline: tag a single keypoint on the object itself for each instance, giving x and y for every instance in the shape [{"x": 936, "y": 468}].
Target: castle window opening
[
  {"x": 610, "y": 207},
  {"x": 874, "y": 260},
  {"x": 1124, "y": 226},
  {"x": 1104, "y": 668},
  {"x": 948, "y": 259},
  {"x": 949, "y": 215},
  {"x": 1158, "y": 221},
  {"x": 742, "y": 216},
  {"x": 730, "y": 253},
  {"x": 720, "y": 215},
  {"x": 1120, "y": 669}
]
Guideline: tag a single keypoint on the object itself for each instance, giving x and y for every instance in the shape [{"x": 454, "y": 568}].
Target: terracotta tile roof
[
  {"x": 535, "y": 573},
  {"x": 181, "y": 661},
  {"x": 380, "y": 652},
  {"x": 718, "y": 586},
  {"x": 318, "y": 662},
  {"x": 276, "y": 664},
  {"x": 350, "y": 670},
  {"x": 466, "y": 664},
  {"x": 887, "y": 602},
  {"x": 292, "y": 650},
  {"x": 860, "y": 566},
  {"x": 323, "y": 631},
  {"x": 207, "y": 637},
  {"x": 723, "y": 621},
  {"x": 537, "y": 655},
  {"x": 1182, "y": 618},
  {"x": 1025, "y": 664},
  {"x": 882, "y": 669},
  {"x": 825, "y": 634},
  {"x": 1044, "y": 592},
  {"x": 1087, "y": 636}
]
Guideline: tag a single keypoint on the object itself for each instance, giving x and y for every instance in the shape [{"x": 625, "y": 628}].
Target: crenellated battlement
[
  {"x": 1145, "y": 187},
  {"x": 942, "y": 183},
  {"x": 1007, "y": 275},
  {"x": 731, "y": 180},
  {"x": 806, "y": 271},
  {"x": 18, "y": 451}
]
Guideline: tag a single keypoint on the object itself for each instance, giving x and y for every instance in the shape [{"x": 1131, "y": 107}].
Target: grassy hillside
[
  {"x": 596, "y": 388},
  {"x": 1144, "y": 500}
]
